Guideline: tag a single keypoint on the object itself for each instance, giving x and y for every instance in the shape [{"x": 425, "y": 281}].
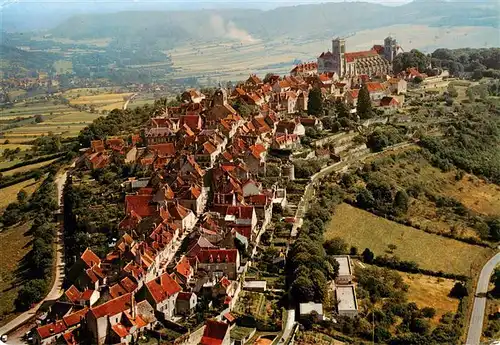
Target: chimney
[{"x": 133, "y": 306}]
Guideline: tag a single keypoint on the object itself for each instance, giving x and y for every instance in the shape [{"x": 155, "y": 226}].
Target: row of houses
[{"x": 202, "y": 188}]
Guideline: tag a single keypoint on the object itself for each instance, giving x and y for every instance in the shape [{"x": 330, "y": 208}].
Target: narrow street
[{"x": 476, "y": 320}]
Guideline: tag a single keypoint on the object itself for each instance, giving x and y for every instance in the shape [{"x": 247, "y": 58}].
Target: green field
[
  {"x": 28, "y": 168},
  {"x": 362, "y": 229},
  {"x": 57, "y": 119}
]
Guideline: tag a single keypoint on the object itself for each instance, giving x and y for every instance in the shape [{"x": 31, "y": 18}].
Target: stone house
[
  {"x": 219, "y": 262},
  {"x": 186, "y": 302},
  {"x": 162, "y": 294}
]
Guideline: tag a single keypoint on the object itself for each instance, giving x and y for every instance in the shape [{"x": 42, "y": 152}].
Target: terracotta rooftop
[
  {"x": 112, "y": 307},
  {"x": 215, "y": 332},
  {"x": 163, "y": 287},
  {"x": 51, "y": 329},
  {"x": 218, "y": 255},
  {"x": 90, "y": 258}
]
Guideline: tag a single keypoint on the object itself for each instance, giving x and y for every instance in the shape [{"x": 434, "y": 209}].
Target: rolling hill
[{"x": 169, "y": 28}]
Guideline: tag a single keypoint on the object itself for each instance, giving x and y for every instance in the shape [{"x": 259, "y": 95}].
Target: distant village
[{"x": 206, "y": 189}]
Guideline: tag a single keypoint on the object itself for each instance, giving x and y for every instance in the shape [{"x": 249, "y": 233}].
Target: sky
[{"x": 276, "y": 2}]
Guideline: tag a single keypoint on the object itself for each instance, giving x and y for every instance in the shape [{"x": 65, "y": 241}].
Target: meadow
[
  {"x": 9, "y": 194},
  {"x": 362, "y": 229},
  {"x": 427, "y": 291},
  {"x": 57, "y": 119}
]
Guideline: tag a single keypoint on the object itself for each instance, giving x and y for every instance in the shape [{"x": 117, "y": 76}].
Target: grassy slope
[
  {"x": 365, "y": 230},
  {"x": 10, "y": 256},
  {"x": 9, "y": 194}
]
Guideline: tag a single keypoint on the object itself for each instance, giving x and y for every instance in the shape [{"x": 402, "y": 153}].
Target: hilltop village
[{"x": 212, "y": 175}]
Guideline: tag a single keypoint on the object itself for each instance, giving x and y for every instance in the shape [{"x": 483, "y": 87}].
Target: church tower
[
  {"x": 390, "y": 49},
  {"x": 338, "y": 51},
  {"x": 220, "y": 97}
]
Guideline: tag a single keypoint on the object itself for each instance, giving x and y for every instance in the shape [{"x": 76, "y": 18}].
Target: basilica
[{"x": 377, "y": 60}]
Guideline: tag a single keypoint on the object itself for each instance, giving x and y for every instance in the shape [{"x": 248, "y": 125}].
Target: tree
[
  {"x": 315, "y": 102},
  {"x": 341, "y": 109},
  {"x": 459, "y": 290},
  {"x": 420, "y": 326},
  {"x": 368, "y": 256},
  {"x": 38, "y": 118},
  {"x": 364, "y": 105},
  {"x": 267, "y": 77},
  {"x": 377, "y": 140},
  {"x": 477, "y": 74},
  {"x": 303, "y": 289},
  {"x": 428, "y": 312},
  {"x": 418, "y": 79},
  {"x": 495, "y": 278},
  {"x": 413, "y": 58},
  {"x": 401, "y": 201},
  {"x": 22, "y": 197},
  {"x": 335, "y": 246},
  {"x": 32, "y": 292},
  {"x": 494, "y": 229},
  {"x": 365, "y": 199}
]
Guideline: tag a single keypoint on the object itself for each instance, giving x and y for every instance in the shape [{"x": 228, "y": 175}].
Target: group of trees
[
  {"x": 92, "y": 229},
  {"x": 37, "y": 266},
  {"x": 413, "y": 58},
  {"x": 119, "y": 121},
  {"x": 387, "y": 317},
  {"x": 470, "y": 143},
  {"x": 380, "y": 138},
  {"x": 309, "y": 267},
  {"x": 482, "y": 60},
  {"x": 378, "y": 194}
]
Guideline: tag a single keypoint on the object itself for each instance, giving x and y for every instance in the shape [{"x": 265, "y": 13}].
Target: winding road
[
  {"x": 476, "y": 320},
  {"x": 56, "y": 290}
]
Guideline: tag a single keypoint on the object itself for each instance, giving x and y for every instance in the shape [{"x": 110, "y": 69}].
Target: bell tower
[
  {"x": 390, "y": 48},
  {"x": 338, "y": 51}
]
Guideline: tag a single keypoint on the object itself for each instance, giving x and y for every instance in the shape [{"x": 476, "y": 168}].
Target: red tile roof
[
  {"x": 388, "y": 101},
  {"x": 184, "y": 296},
  {"x": 97, "y": 145},
  {"x": 75, "y": 318},
  {"x": 73, "y": 294},
  {"x": 116, "y": 291},
  {"x": 90, "y": 258},
  {"x": 245, "y": 231},
  {"x": 229, "y": 317},
  {"x": 217, "y": 255},
  {"x": 140, "y": 204},
  {"x": 215, "y": 332},
  {"x": 120, "y": 330},
  {"x": 183, "y": 267},
  {"x": 51, "y": 329},
  {"x": 378, "y": 48},
  {"x": 375, "y": 87},
  {"x": 351, "y": 57},
  {"x": 112, "y": 307},
  {"x": 165, "y": 149},
  {"x": 163, "y": 287},
  {"x": 128, "y": 284},
  {"x": 354, "y": 93},
  {"x": 87, "y": 294}
]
